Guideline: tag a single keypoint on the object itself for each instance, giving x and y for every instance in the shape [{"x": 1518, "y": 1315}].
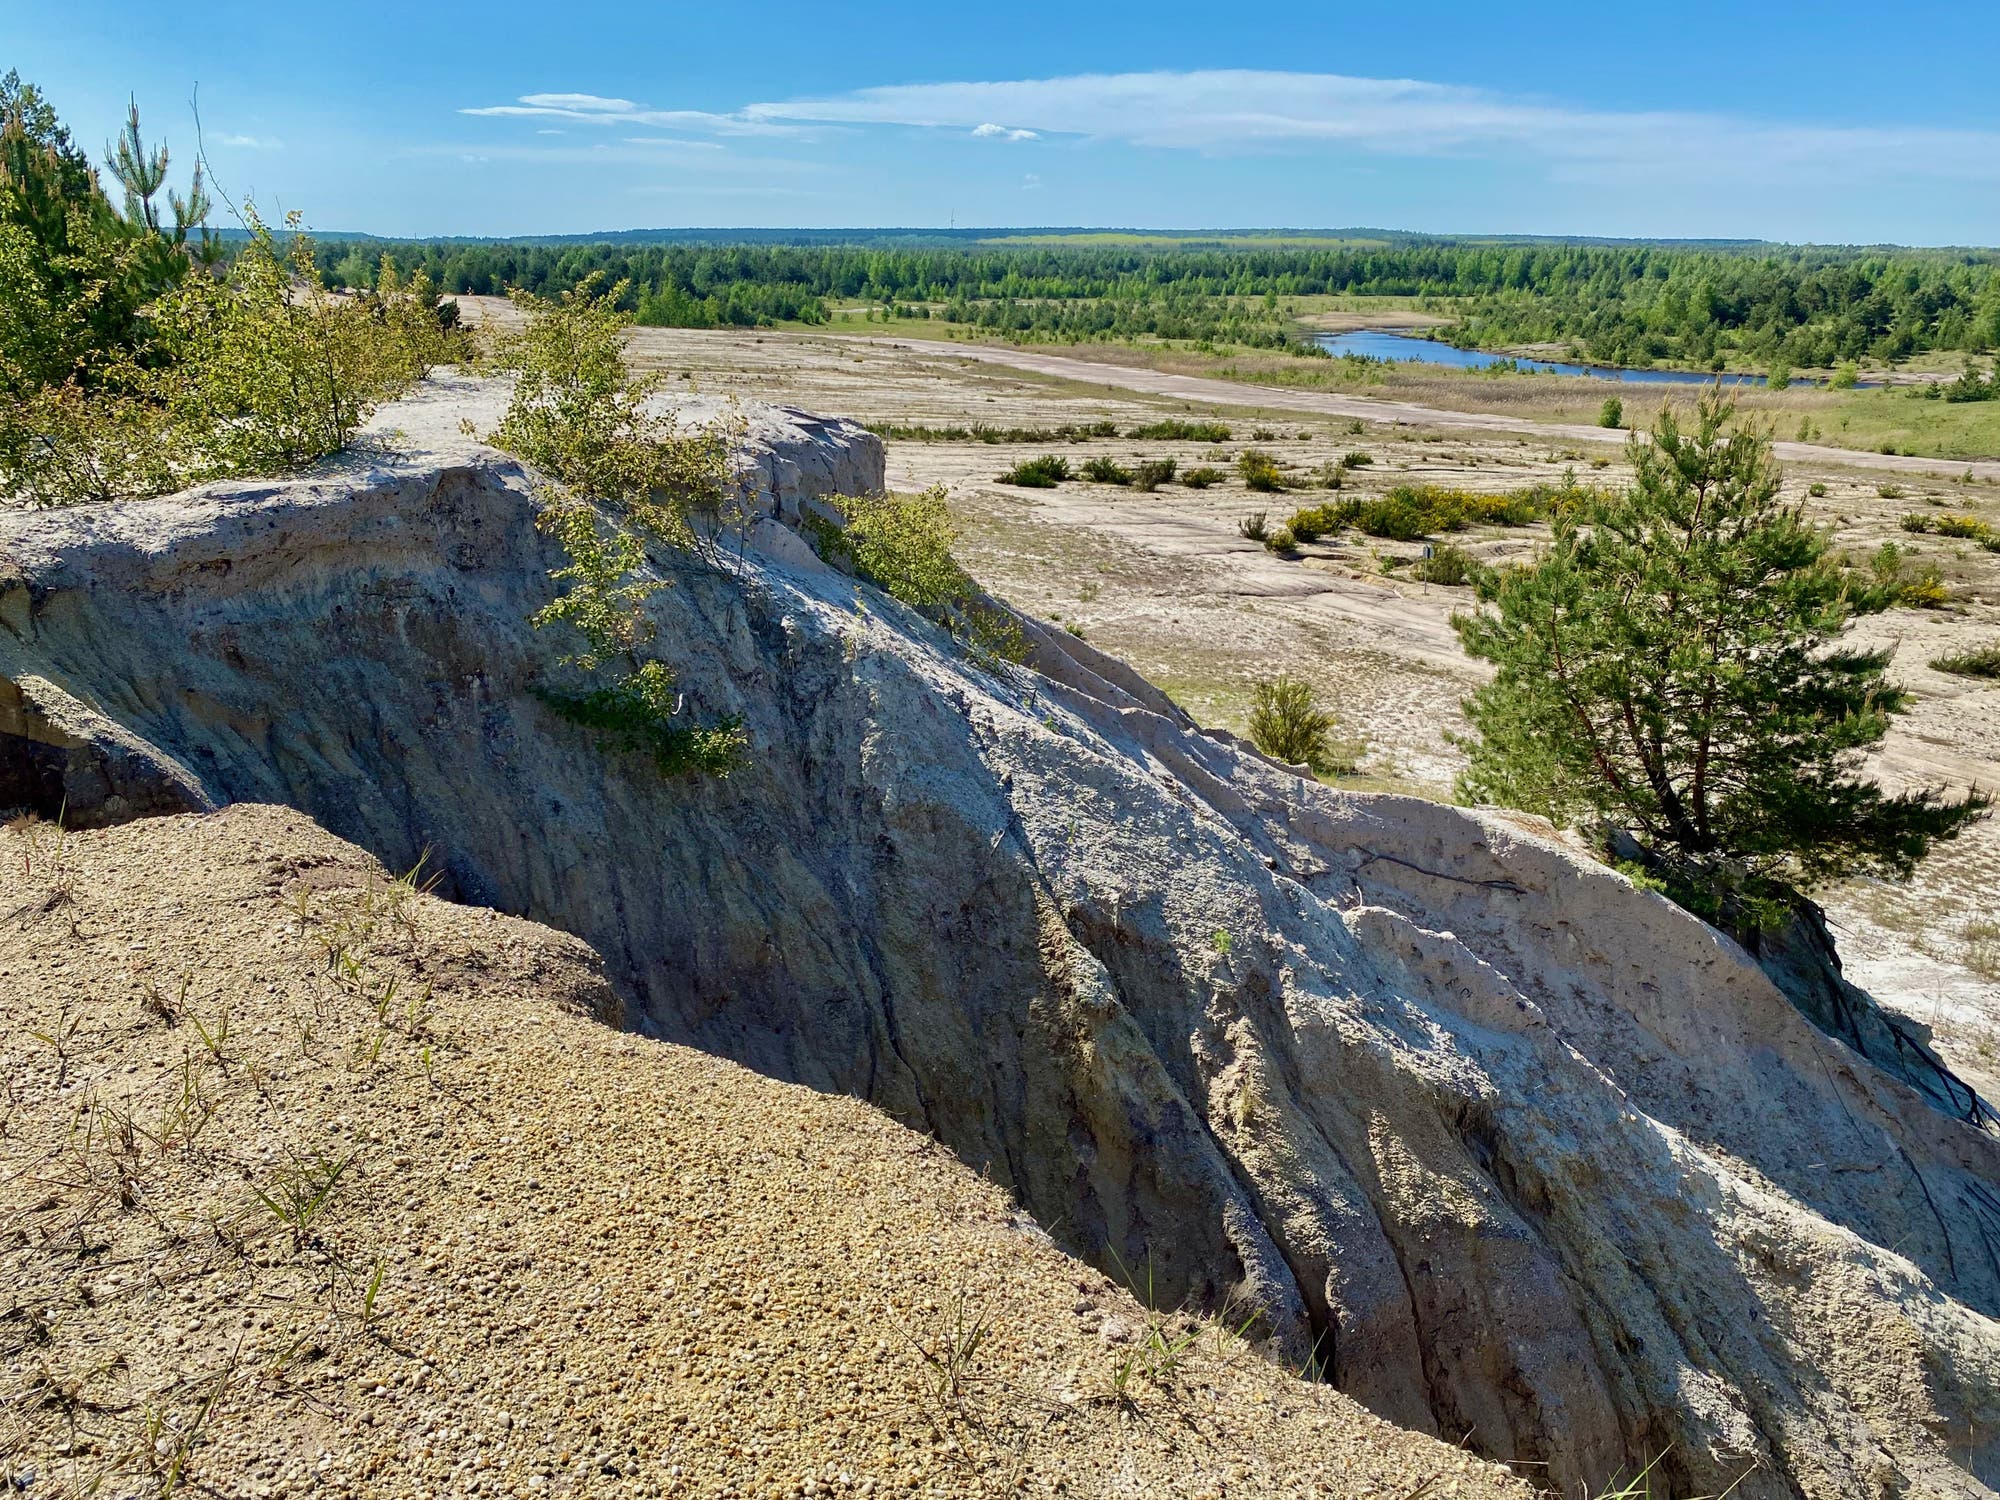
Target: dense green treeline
[{"x": 1627, "y": 304}]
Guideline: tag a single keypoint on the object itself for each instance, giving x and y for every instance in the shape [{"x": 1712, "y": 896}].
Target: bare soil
[{"x": 313, "y": 1184}]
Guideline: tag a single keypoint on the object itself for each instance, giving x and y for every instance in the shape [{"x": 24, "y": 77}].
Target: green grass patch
[{"x": 1980, "y": 661}]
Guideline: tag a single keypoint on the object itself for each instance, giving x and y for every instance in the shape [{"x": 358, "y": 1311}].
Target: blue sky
[{"x": 1834, "y": 122}]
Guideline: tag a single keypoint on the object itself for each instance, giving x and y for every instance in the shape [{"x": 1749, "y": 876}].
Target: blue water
[{"x": 1370, "y": 344}]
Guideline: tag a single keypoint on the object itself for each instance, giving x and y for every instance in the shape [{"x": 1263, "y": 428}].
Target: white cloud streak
[
  {"x": 1238, "y": 112},
  {"x": 250, "y": 142},
  {"x": 594, "y": 109},
  {"x": 1222, "y": 113}
]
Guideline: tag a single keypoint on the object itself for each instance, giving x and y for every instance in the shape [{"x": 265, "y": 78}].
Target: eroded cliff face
[{"x": 1515, "y": 1150}]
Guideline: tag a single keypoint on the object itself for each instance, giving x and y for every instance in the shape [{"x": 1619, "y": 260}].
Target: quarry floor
[{"x": 1165, "y": 581}]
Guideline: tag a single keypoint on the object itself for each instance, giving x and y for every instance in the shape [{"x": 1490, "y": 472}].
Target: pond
[{"x": 1377, "y": 344}]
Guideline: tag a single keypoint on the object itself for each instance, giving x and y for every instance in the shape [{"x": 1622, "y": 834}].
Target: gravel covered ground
[{"x": 311, "y": 1183}]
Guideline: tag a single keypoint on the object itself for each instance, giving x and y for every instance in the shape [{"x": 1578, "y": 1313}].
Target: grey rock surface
[{"x": 1515, "y": 1151}]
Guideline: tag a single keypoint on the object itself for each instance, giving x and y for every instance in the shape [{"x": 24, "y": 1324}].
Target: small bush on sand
[
  {"x": 1281, "y": 541},
  {"x": 1255, "y": 526},
  {"x": 1306, "y": 525},
  {"x": 1175, "y": 430},
  {"x": 1043, "y": 473},
  {"x": 1287, "y": 723},
  {"x": 1203, "y": 477},
  {"x": 1315, "y": 521},
  {"x": 1964, "y": 528},
  {"x": 1153, "y": 473},
  {"x": 1913, "y": 585},
  {"x": 1451, "y": 566},
  {"x": 1260, "y": 470},
  {"x": 1101, "y": 470}
]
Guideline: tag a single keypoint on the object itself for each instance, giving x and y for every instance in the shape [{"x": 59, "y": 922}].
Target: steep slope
[
  {"x": 1515, "y": 1151},
  {"x": 556, "y": 1259}
]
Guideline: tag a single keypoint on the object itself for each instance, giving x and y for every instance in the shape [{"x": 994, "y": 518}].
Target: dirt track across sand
[{"x": 1377, "y": 409}]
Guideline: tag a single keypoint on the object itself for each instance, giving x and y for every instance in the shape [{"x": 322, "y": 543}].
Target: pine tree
[
  {"x": 67, "y": 305},
  {"x": 142, "y": 173},
  {"x": 1670, "y": 669}
]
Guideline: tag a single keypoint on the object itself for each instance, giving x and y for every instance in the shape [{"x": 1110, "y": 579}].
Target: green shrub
[
  {"x": 1255, "y": 526},
  {"x": 1260, "y": 470},
  {"x": 257, "y": 372},
  {"x": 266, "y": 370},
  {"x": 1919, "y": 588},
  {"x": 580, "y": 416},
  {"x": 1816, "y": 490},
  {"x": 1395, "y": 517},
  {"x": 1281, "y": 540},
  {"x": 1316, "y": 521},
  {"x": 1612, "y": 413},
  {"x": 902, "y": 544},
  {"x": 1153, "y": 473},
  {"x": 1174, "y": 430},
  {"x": 1356, "y": 458},
  {"x": 1202, "y": 478},
  {"x": 1965, "y": 528},
  {"x": 63, "y": 445},
  {"x": 1780, "y": 376},
  {"x": 1287, "y": 723},
  {"x": 1918, "y": 522},
  {"x": 1845, "y": 377},
  {"x": 1263, "y": 435},
  {"x": 642, "y": 712},
  {"x": 1411, "y": 512},
  {"x": 1043, "y": 473},
  {"x": 1980, "y": 661},
  {"x": 1925, "y": 589},
  {"x": 1451, "y": 566},
  {"x": 1103, "y": 470},
  {"x": 1889, "y": 491},
  {"x": 1068, "y": 432}
]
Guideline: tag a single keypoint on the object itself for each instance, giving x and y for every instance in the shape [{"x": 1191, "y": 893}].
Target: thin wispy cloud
[
  {"x": 651, "y": 153},
  {"x": 991, "y": 132},
  {"x": 1234, "y": 112},
  {"x": 250, "y": 142},
  {"x": 595, "y": 109},
  {"x": 669, "y": 143}
]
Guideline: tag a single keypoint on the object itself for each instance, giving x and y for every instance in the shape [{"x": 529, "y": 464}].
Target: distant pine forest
[{"x": 1695, "y": 307}]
